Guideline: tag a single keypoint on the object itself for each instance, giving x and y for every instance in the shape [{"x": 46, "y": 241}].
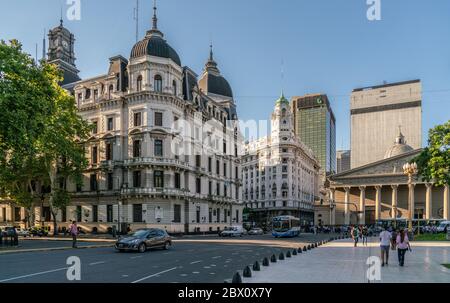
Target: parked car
[
  {"x": 22, "y": 232},
  {"x": 143, "y": 239},
  {"x": 443, "y": 227},
  {"x": 232, "y": 231},
  {"x": 256, "y": 231}
]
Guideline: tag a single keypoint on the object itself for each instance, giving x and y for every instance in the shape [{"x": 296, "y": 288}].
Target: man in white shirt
[{"x": 385, "y": 244}]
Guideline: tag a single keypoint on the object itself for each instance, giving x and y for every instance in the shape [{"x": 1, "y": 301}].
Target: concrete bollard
[
  {"x": 256, "y": 266},
  {"x": 236, "y": 278},
  {"x": 273, "y": 259},
  {"x": 294, "y": 252},
  {"x": 308, "y": 247},
  {"x": 265, "y": 262},
  {"x": 281, "y": 257},
  {"x": 304, "y": 248},
  {"x": 247, "y": 272},
  {"x": 288, "y": 254}
]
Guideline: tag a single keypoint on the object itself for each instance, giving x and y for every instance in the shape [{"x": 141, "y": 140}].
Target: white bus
[{"x": 285, "y": 226}]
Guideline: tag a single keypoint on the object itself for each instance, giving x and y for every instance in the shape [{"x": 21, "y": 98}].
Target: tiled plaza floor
[{"x": 340, "y": 262}]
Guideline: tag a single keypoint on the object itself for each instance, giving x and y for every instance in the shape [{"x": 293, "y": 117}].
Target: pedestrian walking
[
  {"x": 385, "y": 244},
  {"x": 402, "y": 246},
  {"x": 355, "y": 235},
  {"x": 365, "y": 234},
  {"x": 394, "y": 239},
  {"x": 73, "y": 230}
]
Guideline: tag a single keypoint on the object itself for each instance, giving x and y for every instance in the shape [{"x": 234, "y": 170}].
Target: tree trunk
[
  {"x": 55, "y": 225},
  {"x": 52, "y": 174}
]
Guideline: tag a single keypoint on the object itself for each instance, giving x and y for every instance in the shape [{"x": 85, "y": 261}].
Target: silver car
[{"x": 256, "y": 231}]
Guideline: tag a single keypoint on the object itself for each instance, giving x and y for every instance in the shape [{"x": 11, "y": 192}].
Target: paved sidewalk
[
  {"x": 340, "y": 262},
  {"x": 48, "y": 245}
]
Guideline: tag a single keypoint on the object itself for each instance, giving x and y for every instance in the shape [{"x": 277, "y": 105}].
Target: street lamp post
[{"x": 410, "y": 169}]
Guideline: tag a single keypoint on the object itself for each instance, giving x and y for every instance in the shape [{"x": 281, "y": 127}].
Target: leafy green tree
[
  {"x": 40, "y": 131},
  {"x": 434, "y": 161}
]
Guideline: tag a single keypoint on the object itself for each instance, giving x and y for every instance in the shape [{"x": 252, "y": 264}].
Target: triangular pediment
[{"x": 391, "y": 166}]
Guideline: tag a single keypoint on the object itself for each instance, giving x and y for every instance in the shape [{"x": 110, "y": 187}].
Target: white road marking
[
  {"x": 183, "y": 275},
  {"x": 212, "y": 273},
  {"x": 207, "y": 267},
  {"x": 195, "y": 262},
  {"x": 95, "y": 263},
  {"x": 135, "y": 257},
  {"x": 157, "y": 274},
  {"x": 196, "y": 272},
  {"x": 35, "y": 274},
  {"x": 216, "y": 257},
  {"x": 213, "y": 265}
]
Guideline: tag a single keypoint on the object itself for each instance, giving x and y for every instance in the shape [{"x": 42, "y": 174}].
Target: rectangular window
[
  {"x": 177, "y": 213},
  {"x": 218, "y": 215},
  {"x": 137, "y": 178},
  {"x": 158, "y": 179},
  {"x": 224, "y": 146},
  {"x": 158, "y": 148},
  {"x": 94, "y": 155},
  {"x": 108, "y": 151},
  {"x": 93, "y": 182},
  {"x": 136, "y": 148},
  {"x": 236, "y": 173},
  {"x": 109, "y": 213},
  {"x": 218, "y": 189},
  {"x": 198, "y": 185},
  {"x": 110, "y": 181},
  {"x": 217, "y": 167},
  {"x": 209, "y": 164},
  {"x": 158, "y": 119},
  {"x": 110, "y": 123},
  {"x": 237, "y": 215},
  {"x": 137, "y": 213},
  {"x": 137, "y": 119},
  {"x": 94, "y": 213},
  {"x": 210, "y": 212},
  {"x": 198, "y": 161},
  {"x": 94, "y": 127},
  {"x": 197, "y": 217},
  {"x": 95, "y": 94},
  {"x": 177, "y": 181},
  {"x": 210, "y": 188},
  {"x": 224, "y": 169}
]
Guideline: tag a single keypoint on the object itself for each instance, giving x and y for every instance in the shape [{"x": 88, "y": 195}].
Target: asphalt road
[{"x": 193, "y": 260}]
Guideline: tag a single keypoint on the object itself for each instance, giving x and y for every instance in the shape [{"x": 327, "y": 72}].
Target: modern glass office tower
[{"x": 315, "y": 125}]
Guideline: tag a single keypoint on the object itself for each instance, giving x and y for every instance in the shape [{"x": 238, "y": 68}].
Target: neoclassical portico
[{"x": 380, "y": 190}]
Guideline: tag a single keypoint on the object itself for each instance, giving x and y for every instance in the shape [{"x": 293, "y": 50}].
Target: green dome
[{"x": 282, "y": 100}]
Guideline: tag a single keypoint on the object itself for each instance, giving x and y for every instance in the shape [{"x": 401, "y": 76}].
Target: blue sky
[{"x": 327, "y": 46}]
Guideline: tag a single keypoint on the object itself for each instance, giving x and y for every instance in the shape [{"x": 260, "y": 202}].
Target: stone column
[
  {"x": 333, "y": 207},
  {"x": 346, "y": 209},
  {"x": 446, "y": 203},
  {"x": 429, "y": 201},
  {"x": 394, "y": 201},
  {"x": 378, "y": 202},
  {"x": 411, "y": 207},
  {"x": 362, "y": 205}
]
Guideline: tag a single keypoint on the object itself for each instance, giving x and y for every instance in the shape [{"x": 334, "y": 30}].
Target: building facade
[
  {"x": 376, "y": 114},
  {"x": 379, "y": 191},
  {"x": 343, "y": 158},
  {"x": 164, "y": 150},
  {"x": 280, "y": 173},
  {"x": 315, "y": 125}
]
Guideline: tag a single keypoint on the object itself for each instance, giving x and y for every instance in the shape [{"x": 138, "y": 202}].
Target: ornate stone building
[
  {"x": 164, "y": 148},
  {"x": 379, "y": 191},
  {"x": 280, "y": 173}
]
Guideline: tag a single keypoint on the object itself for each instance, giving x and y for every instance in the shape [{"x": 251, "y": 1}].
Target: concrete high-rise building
[
  {"x": 315, "y": 125},
  {"x": 377, "y": 112},
  {"x": 343, "y": 160}
]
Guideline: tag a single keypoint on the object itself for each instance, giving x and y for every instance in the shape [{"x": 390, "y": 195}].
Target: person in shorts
[{"x": 385, "y": 244}]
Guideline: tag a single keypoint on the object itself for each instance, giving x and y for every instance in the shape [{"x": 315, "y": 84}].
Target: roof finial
[
  {"x": 211, "y": 52},
  {"x": 61, "y": 19},
  {"x": 155, "y": 19}
]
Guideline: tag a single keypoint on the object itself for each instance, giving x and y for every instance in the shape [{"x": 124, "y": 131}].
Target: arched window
[
  {"x": 110, "y": 90},
  {"x": 139, "y": 83},
  {"x": 174, "y": 87},
  {"x": 158, "y": 84}
]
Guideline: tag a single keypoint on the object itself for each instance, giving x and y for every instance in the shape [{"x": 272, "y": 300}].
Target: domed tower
[
  {"x": 399, "y": 147},
  {"x": 282, "y": 121},
  {"x": 212, "y": 83},
  {"x": 154, "y": 65}
]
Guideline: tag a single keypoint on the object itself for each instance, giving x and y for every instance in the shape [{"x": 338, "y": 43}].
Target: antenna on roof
[
  {"x": 43, "y": 46},
  {"x": 136, "y": 17},
  {"x": 36, "y": 58}
]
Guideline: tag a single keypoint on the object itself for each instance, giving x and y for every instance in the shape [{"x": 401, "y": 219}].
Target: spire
[
  {"x": 154, "y": 31},
  {"x": 211, "y": 52},
  {"x": 155, "y": 19},
  {"x": 61, "y": 18},
  {"x": 282, "y": 98},
  {"x": 400, "y": 138},
  {"x": 211, "y": 65}
]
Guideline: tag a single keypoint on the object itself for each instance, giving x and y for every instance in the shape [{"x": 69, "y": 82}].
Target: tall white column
[
  {"x": 446, "y": 203},
  {"x": 333, "y": 207},
  {"x": 412, "y": 206},
  {"x": 429, "y": 201},
  {"x": 346, "y": 209},
  {"x": 378, "y": 202},
  {"x": 394, "y": 201},
  {"x": 362, "y": 205}
]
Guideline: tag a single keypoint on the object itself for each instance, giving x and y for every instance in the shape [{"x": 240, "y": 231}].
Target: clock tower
[{"x": 61, "y": 52}]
